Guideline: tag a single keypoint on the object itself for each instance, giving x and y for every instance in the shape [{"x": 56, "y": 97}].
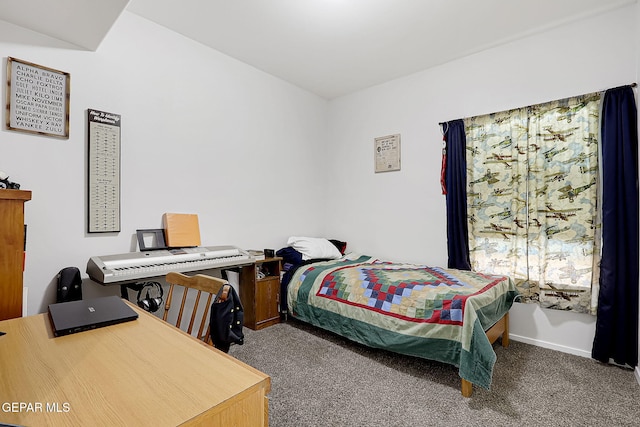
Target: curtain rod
[{"x": 634, "y": 84}]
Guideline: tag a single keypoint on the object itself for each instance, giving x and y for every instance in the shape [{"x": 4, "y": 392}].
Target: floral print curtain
[{"x": 532, "y": 194}]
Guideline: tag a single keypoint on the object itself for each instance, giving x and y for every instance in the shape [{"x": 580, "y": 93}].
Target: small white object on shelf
[{"x": 258, "y": 255}]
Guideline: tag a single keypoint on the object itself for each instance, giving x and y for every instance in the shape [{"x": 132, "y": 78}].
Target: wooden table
[{"x": 140, "y": 373}]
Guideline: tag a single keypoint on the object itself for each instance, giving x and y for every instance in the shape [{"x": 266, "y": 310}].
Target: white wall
[
  {"x": 401, "y": 215},
  {"x": 201, "y": 133}
]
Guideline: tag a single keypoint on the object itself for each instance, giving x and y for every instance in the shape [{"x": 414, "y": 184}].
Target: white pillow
[{"x": 314, "y": 247}]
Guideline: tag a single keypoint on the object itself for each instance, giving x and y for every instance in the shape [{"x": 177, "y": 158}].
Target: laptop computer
[{"x": 83, "y": 315}]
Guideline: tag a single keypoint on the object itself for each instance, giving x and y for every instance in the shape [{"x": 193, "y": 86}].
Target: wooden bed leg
[
  {"x": 499, "y": 330},
  {"x": 505, "y": 333},
  {"x": 467, "y": 388}
]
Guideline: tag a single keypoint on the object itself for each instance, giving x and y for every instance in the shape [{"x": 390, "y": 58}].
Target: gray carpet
[{"x": 320, "y": 379}]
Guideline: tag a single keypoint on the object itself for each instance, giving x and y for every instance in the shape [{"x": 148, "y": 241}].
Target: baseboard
[
  {"x": 564, "y": 349},
  {"x": 551, "y": 346}
]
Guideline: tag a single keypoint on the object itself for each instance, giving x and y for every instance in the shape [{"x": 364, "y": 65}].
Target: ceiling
[{"x": 329, "y": 47}]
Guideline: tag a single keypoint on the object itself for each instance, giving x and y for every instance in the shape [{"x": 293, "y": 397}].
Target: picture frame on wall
[
  {"x": 386, "y": 151},
  {"x": 37, "y": 99},
  {"x": 103, "y": 178}
]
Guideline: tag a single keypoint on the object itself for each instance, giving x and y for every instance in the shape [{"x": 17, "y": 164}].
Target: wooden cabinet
[
  {"x": 260, "y": 293},
  {"x": 12, "y": 245}
]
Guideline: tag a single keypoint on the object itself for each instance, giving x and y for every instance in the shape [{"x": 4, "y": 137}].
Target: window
[{"x": 532, "y": 199}]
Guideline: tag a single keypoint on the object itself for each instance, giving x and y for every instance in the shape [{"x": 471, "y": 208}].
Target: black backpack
[
  {"x": 226, "y": 320},
  {"x": 69, "y": 285}
]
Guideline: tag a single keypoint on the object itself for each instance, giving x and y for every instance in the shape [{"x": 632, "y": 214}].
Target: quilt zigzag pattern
[{"x": 414, "y": 293}]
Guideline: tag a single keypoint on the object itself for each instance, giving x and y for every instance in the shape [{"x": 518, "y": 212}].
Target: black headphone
[{"x": 149, "y": 302}]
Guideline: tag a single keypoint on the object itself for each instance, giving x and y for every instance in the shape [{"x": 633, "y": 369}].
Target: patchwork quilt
[{"x": 429, "y": 312}]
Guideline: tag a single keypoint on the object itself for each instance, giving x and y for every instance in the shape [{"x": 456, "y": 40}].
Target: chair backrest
[{"x": 203, "y": 284}]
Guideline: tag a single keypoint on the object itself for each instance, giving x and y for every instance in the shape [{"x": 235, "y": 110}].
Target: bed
[{"x": 452, "y": 316}]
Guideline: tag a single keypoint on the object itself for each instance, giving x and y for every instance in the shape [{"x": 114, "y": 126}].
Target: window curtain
[
  {"x": 616, "y": 334},
  {"x": 532, "y": 197},
  {"x": 456, "y": 191}
]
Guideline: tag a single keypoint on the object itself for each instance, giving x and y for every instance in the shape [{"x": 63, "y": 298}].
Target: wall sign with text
[
  {"x": 387, "y": 153},
  {"x": 37, "y": 99},
  {"x": 104, "y": 171}
]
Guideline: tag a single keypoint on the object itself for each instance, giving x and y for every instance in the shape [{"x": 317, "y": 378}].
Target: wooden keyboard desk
[{"x": 140, "y": 373}]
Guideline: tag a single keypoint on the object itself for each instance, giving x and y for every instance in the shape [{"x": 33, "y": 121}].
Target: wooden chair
[{"x": 208, "y": 285}]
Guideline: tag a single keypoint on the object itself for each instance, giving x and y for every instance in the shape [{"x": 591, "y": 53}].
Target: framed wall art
[
  {"x": 37, "y": 99},
  {"x": 104, "y": 171},
  {"x": 387, "y": 153}
]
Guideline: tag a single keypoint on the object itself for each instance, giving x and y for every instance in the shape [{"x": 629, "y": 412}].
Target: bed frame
[{"x": 499, "y": 329}]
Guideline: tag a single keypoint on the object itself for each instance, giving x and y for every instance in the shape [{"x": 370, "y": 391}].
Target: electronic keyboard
[{"x": 132, "y": 266}]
